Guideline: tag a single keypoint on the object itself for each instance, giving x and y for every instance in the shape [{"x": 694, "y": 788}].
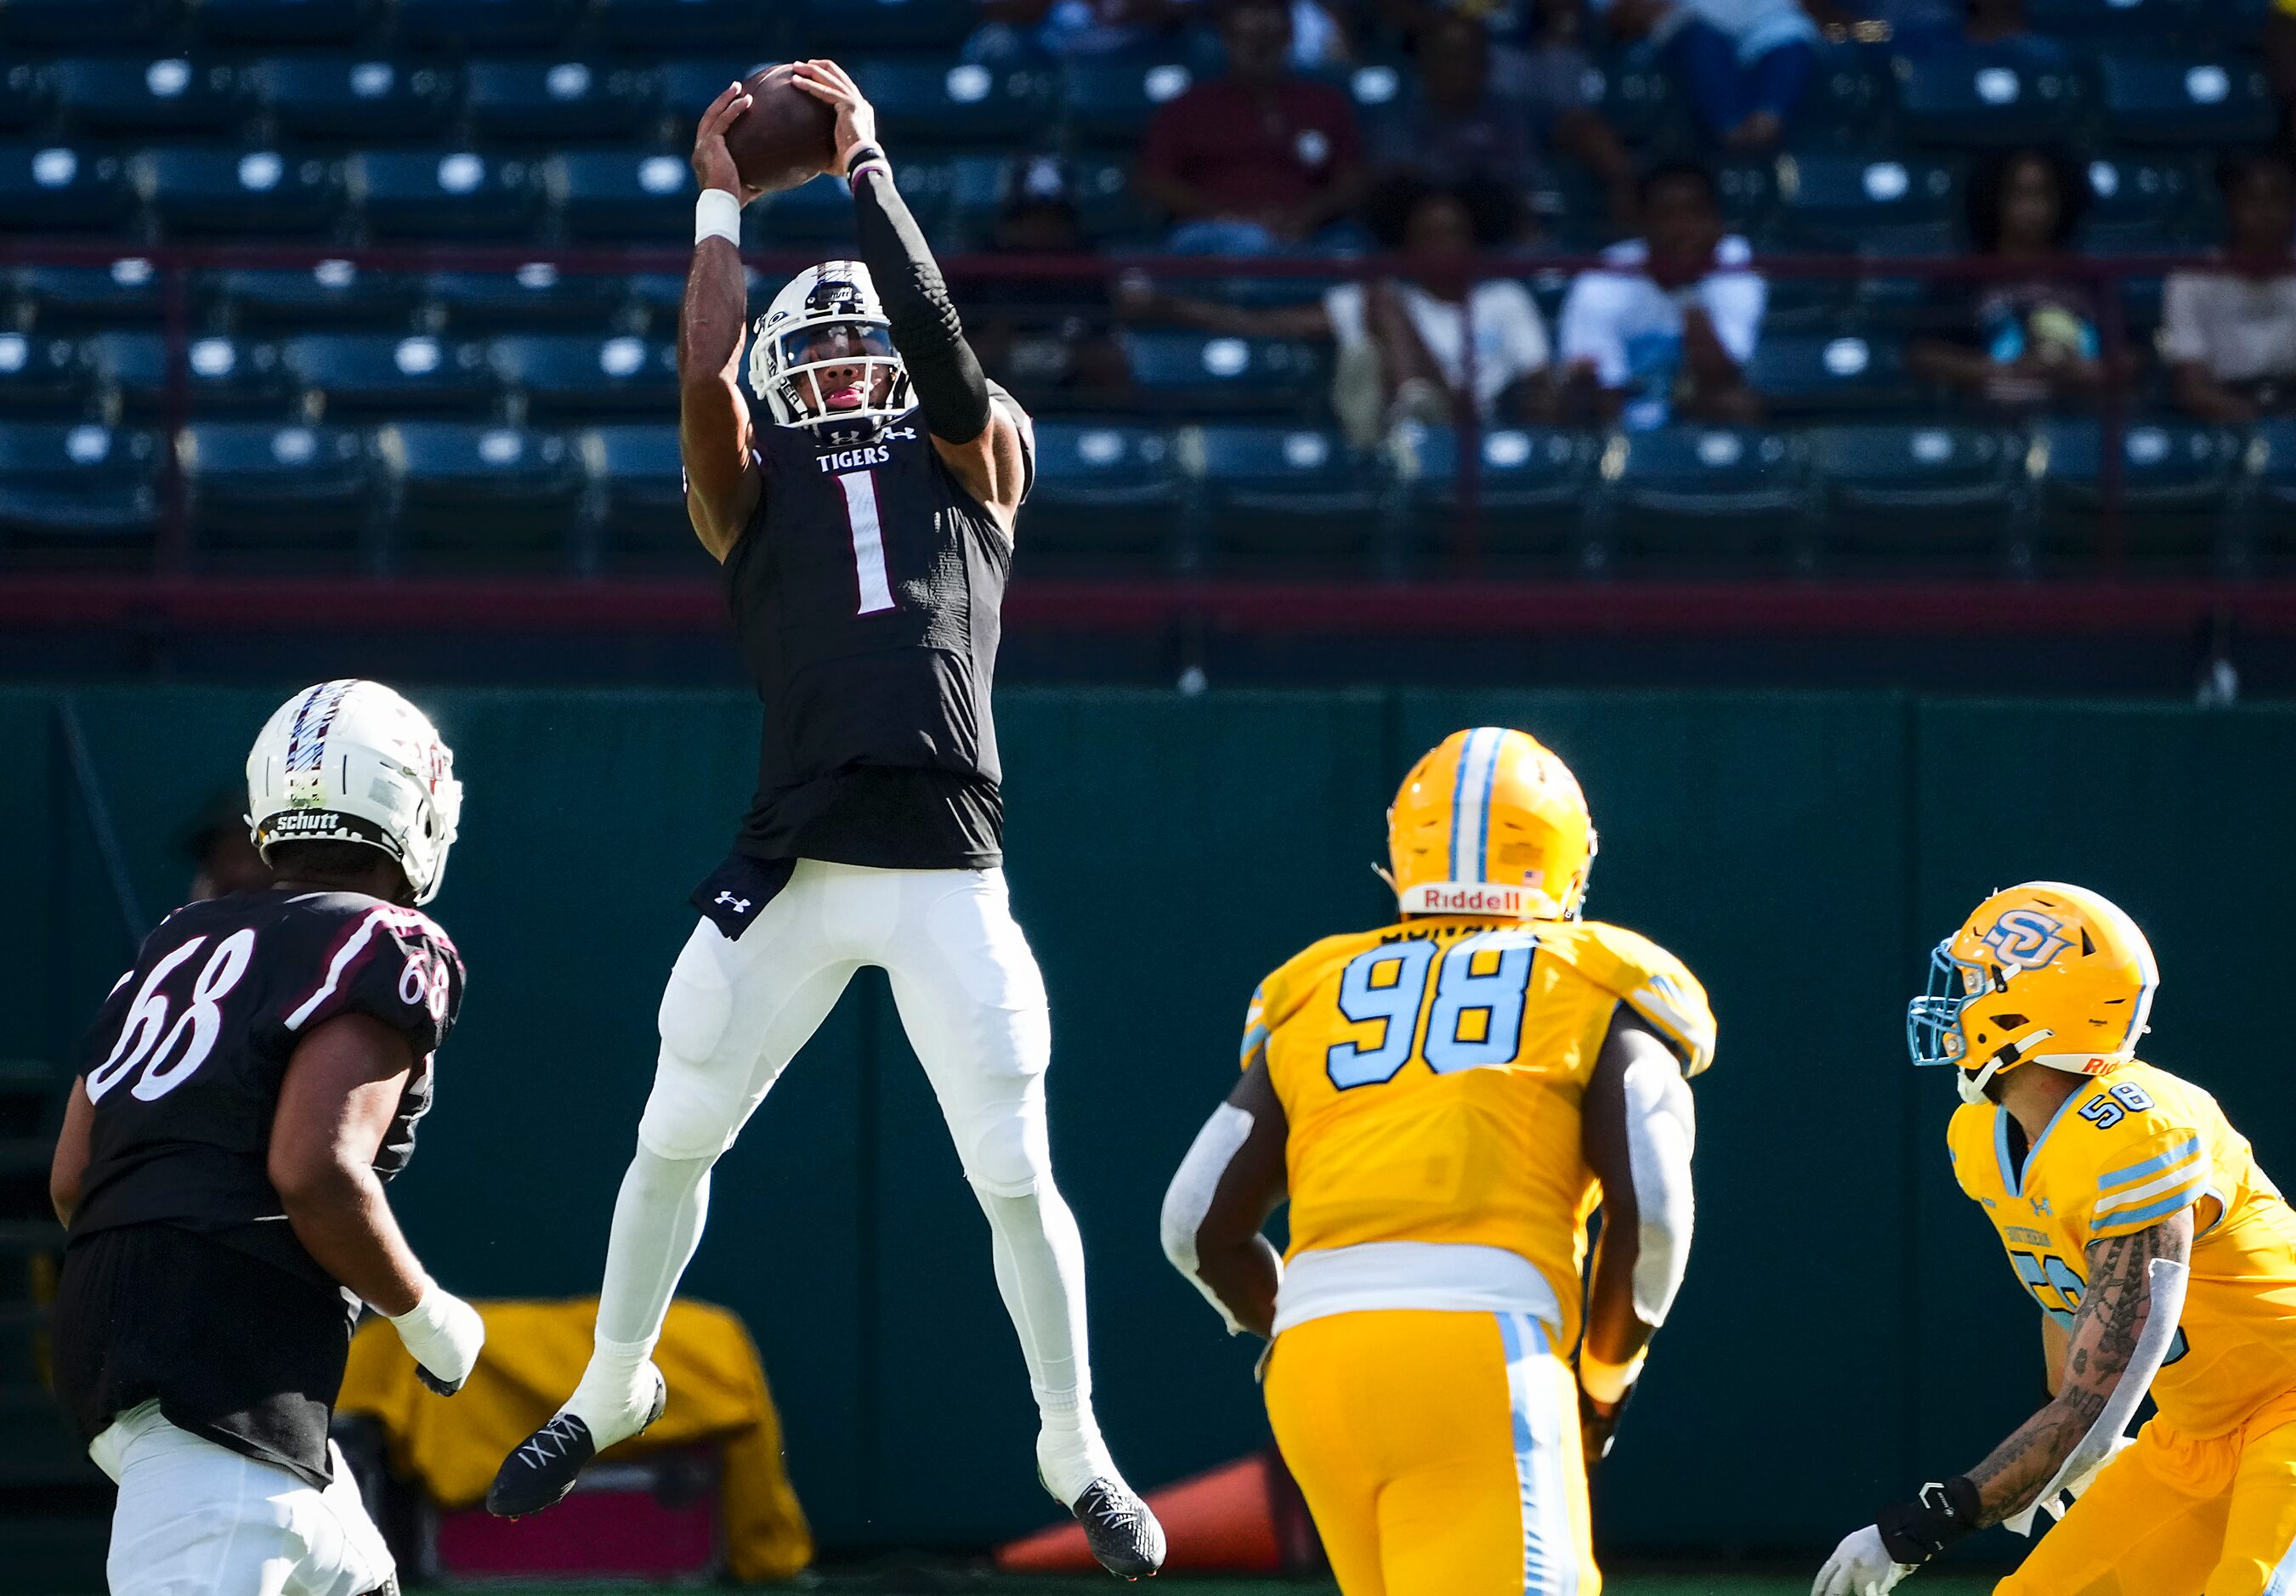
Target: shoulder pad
[
  {"x": 1969, "y": 1144},
  {"x": 1643, "y": 975},
  {"x": 1278, "y": 997},
  {"x": 2135, "y": 1150}
]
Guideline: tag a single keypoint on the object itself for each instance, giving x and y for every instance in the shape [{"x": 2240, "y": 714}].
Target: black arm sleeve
[{"x": 943, "y": 370}]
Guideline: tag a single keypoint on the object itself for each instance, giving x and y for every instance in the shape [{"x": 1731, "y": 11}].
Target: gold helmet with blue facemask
[{"x": 2041, "y": 973}]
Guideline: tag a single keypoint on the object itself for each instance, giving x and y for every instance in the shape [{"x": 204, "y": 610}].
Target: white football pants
[
  {"x": 194, "y": 1519},
  {"x": 973, "y": 1003}
]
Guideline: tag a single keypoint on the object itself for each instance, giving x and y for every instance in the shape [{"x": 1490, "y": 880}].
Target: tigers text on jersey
[
  {"x": 2127, "y": 1150},
  {"x": 866, "y": 593},
  {"x": 184, "y": 1061},
  {"x": 1431, "y": 1074}
]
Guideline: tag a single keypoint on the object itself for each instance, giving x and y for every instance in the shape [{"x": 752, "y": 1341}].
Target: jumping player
[
  {"x": 866, "y": 531},
  {"x": 248, "y": 1087},
  {"x": 2162, "y": 1259},
  {"x": 1445, "y": 1101}
]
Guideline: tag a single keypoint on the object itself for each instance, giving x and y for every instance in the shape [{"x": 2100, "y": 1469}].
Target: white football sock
[
  {"x": 658, "y": 1220},
  {"x": 1040, "y": 1259}
]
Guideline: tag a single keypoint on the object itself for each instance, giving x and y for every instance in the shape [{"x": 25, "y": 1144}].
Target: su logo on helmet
[{"x": 2026, "y": 938}]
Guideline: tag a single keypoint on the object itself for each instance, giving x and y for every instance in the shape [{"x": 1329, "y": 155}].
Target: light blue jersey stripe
[
  {"x": 1550, "y": 1556},
  {"x": 2121, "y": 1177},
  {"x": 2136, "y": 1219},
  {"x": 1471, "y": 803},
  {"x": 2283, "y": 1582},
  {"x": 1254, "y": 1040}
]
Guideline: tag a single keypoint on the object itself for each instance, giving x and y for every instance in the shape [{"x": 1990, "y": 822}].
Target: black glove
[{"x": 1945, "y": 1512}]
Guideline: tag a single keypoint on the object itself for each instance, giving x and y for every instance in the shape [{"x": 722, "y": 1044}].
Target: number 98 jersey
[
  {"x": 2127, "y": 1150},
  {"x": 184, "y": 1061},
  {"x": 1431, "y": 1074}
]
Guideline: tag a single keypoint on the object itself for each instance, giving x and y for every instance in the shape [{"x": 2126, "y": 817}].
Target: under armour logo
[
  {"x": 740, "y": 905},
  {"x": 2041, "y": 1206}
]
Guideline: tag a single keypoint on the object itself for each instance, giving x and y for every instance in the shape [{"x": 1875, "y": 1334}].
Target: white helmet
[
  {"x": 787, "y": 350},
  {"x": 351, "y": 761}
]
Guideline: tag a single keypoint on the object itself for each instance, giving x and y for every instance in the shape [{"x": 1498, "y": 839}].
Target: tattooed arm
[{"x": 2097, "y": 1351}]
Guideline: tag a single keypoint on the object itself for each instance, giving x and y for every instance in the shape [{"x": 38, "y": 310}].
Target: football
[{"x": 786, "y": 138}]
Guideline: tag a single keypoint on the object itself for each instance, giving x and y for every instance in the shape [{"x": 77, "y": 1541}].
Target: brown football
[{"x": 786, "y": 137}]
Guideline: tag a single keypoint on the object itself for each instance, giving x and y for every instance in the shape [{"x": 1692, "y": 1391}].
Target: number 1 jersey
[
  {"x": 184, "y": 1061},
  {"x": 1431, "y": 1074}
]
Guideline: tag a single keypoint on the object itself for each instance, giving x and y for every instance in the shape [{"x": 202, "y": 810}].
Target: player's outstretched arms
[
  {"x": 341, "y": 1092},
  {"x": 721, "y": 483},
  {"x": 2106, "y": 1350},
  {"x": 987, "y": 444},
  {"x": 1638, "y": 1129},
  {"x": 1222, "y": 1194}
]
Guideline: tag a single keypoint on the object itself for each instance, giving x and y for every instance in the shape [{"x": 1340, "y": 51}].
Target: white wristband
[
  {"x": 718, "y": 214},
  {"x": 1606, "y": 1383}
]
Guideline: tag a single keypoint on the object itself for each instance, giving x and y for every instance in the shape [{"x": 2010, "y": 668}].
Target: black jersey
[
  {"x": 866, "y": 593},
  {"x": 179, "y": 1238}
]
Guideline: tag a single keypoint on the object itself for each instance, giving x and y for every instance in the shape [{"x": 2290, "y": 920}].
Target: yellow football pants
[
  {"x": 1438, "y": 1451},
  {"x": 2172, "y": 1516}
]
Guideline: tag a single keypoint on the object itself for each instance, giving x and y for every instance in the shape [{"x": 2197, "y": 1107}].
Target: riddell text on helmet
[{"x": 1481, "y": 898}]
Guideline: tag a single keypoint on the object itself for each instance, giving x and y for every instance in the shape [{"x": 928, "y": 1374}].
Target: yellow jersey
[
  {"x": 1431, "y": 1074},
  {"x": 2126, "y": 1151}
]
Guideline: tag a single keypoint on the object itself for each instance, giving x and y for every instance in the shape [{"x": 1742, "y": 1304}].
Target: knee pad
[
  {"x": 1006, "y": 1151},
  {"x": 699, "y": 1094}
]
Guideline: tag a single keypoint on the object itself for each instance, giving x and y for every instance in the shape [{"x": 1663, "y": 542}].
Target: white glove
[
  {"x": 444, "y": 1333},
  {"x": 1861, "y": 1566},
  {"x": 2060, "y": 1505}
]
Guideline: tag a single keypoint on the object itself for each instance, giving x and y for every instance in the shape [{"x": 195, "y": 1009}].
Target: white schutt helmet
[
  {"x": 351, "y": 761},
  {"x": 782, "y": 368}
]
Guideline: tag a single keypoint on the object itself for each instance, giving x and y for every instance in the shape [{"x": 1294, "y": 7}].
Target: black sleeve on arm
[{"x": 943, "y": 370}]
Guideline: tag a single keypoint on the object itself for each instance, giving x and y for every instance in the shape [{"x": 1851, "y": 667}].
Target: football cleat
[
  {"x": 1122, "y": 1532},
  {"x": 544, "y": 1467}
]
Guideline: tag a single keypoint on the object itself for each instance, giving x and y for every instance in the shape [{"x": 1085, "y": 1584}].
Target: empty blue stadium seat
[
  {"x": 57, "y": 189},
  {"x": 1822, "y": 373},
  {"x": 113, "y": 95},
  {"x": 1295, "y": 498},
  {"x": 1108, "y": 498},
  {"x": 567, "y": 373},
  {"x": 243, "y": 191},
  {"x": 537, "y": 294},
  {"x": 736, "y": 27},
  {"x": 2085, "y": 20},
  {"x": 2129, "y": 189},
  {"x": 2153, "y": 97},
  {"x": 382, "y": 373},
  {"x": 266, "y": 486},
  {"x": 63, "y": 24},
  {"x": 817, "y": 212},
  {"x": 77, "y": 489},
  {"x": 1196, "y": 372},
  {"x": 42, "y": 375},
  {"x": 481, "y": 493},
  {"x": 128, "y": 289},
  {"x": 480, "y": 25},
  {"x": 835, "y": 25},
  {"x": 23, "y": 96},
  {"x": 610, "y": 195},
  {"x": 2177, "y": 481},
  {"x": 1837, "y": 197},
  {"x": 688, "y": 86},
  {"x": 1923, "y": 496},
  {"x": 1112, "y": 101},
  {"x": 332, "y": 294},
  {"x": 221, "y": 375},
  {"x": 347, "y": 99},
  {"x": 641, "y": 487},
  {"x": 945, "y": 102},
  {"x": 1848, "y": 102},
  {"x": 2270, "y": 507},
  {"x": 557, "y": 102},
  {"x": 1530, "y": 488},
  {"x": 1639, "y": 98},
  {"x": 1985, "y": 96},
  {"x": 446, "y": 193},
  {"x": 1706, "y": 496},
  {"x": 271, "y": 22}
]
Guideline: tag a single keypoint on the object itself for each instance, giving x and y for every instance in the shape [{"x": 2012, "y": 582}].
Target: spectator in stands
[
  {"x": 1663, "y": 330},
  {"x": 1402, "y": 341},
  {"x": 1047, "y": 339},
  {"x": 2026, "y": 342},
  {"x": 1744, "y": 64},
  {"x": 2229, "y": 337},
  {"x": 1259, "y": 159},
  {"x": 1460, "y": 129}
]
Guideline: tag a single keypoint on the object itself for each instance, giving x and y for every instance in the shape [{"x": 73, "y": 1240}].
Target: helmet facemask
[
  {"x": 1933, "y": 1022},
  {"x": 822, "y": 356}
]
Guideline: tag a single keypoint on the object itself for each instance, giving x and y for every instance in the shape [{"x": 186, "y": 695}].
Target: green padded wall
[{"x": 1847, "y": 1328}]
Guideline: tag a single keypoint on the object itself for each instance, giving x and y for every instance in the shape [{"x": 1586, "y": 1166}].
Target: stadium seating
[
  {"x": 345, "y": 99},
  {"x": 260, "y": 488},
  {"x": 538, "y": 295},
  {"x": 128, "y": 289},
  {"x": 558, "y": 103},
  {"x": 641, "y": 496},
  {"x": 2177, "y": 481},
  {"x": 1107, "y": 498},
  {"x": 886, "y": 24},
  {"x": 1706, "y": 497},
  {"x": 1111, "y": 102},
  {"x": 609, "y": 194},
  {"x": 334, "y": 295},
  {"x": 53, "y": 188},
  {"x": 220, "y": 376},
  {"x": 42, "y": 376},
  {"x": 1197, "y": 374},
  {"x": 281, "y": 22},
  {"x": 1284, "y": 498},
  {"x": 383, "y": 373},
  {"x": 55, "y": 24},
  {"x": 963, "y": 105},
  {"x": 79, "y": 491},
  {"x": 743, "y": 27},
  {"x": 452, "y": 194},
  {"x": 470, "y": 25},
  {"x": 2162, "y": 98},
  {"x": 1916, "y": 497},
  {"x": 1531, "y": 488},
  {"x": 480, "y": 495},
  {"x": 2267, "y": 536},
  {"x": 562, "y": 374},
  {"x": 116, "y": 97},
  {"x": 1819, "y": 374},
  {"x": 226, "y": 191},
  {"x": 1981, "y": 96}
]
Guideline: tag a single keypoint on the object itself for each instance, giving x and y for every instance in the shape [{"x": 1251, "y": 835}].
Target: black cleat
[
  {"x": 544, "y": 1467},
  {"x": 1120, "y": 1530}
]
